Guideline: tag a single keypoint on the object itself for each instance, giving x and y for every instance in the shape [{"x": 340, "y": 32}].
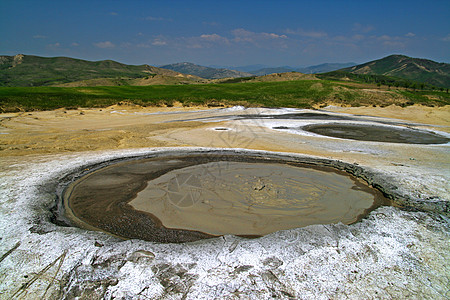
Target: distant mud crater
[{"x": 376, "y": 133}]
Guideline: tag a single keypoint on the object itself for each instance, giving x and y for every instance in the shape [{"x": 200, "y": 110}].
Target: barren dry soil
[{"x": 399, "y": 251}]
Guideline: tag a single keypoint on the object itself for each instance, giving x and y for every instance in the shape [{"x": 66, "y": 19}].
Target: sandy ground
[
  {"x": 123, "y": 127},
  {"x": 391, "y": 254},
  {"x": 416, "y": 113}
]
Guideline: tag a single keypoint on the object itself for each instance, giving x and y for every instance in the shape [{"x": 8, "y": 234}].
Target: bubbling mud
[{"x": 192, "y": 197}]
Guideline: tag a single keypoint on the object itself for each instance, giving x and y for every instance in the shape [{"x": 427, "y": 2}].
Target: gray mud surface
[
  {"x": 375, "y": 133},
  {"x": 321, "y": 116},
  {"x": 215, "y": 194}
]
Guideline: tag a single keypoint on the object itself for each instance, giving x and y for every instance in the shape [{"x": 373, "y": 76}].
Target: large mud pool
[
  {"x": 375, "y": 133},
  {"x": 192, "y": 197}
]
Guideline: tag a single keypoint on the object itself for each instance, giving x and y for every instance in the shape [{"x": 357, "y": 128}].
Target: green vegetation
[
  {"x": 203, "y": 72},
  {"x": 301, "y": 94},
  {"x": 28, "y": 70},
  {"x": 379, "y": 80},
  {"x": 238, "y": 79},
  {"x": 413, "y": 69}
]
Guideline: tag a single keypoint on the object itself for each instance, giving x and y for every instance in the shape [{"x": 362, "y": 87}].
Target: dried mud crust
[{"x": 128, "y": 222}]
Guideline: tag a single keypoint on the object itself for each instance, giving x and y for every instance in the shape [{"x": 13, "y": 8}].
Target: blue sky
[{"x": 229, "y": 33}]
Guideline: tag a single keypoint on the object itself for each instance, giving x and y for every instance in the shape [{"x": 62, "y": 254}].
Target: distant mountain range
[
  {"x": 327, "y": 67},
  {"x": 204, "y": 72},
  {"x": 260, "y": 70},
  {"x": 28, "y": 70},
  {"x": 401, "y": 66}
]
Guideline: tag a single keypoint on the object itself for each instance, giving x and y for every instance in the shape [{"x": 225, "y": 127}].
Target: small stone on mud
[{"x": 141, "y": 255}]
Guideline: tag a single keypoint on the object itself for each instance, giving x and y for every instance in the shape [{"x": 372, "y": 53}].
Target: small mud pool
[
  {"x": 388, "y": 134},
  {"x": 187, "y": 198}
]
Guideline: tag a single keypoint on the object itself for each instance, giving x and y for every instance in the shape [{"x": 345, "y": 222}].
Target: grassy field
[
  {"x": 301, "y": 94},
  {"x": 29, "y": 70}
]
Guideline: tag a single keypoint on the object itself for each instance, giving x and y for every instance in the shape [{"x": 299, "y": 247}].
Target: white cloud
[
  {"x": 143, "y": 45},
  {"x": 273, "y": 35},
  {"x": 75, "y": 44},
  {"x": 410, "y": 34},
  {"x": 391, "y": 41},
  {"x": 446, "y": 38},
  {"x": 264, "y": 40},
  {"x": 385, "y": 38},
  {"x": 55, "y": 45},
  {"x": 214, "y": 38},
  {"x": 242, "y": 35},
  {"x": 159, "y": 19},
  {"x": 194, "y": 46},
  {"x": 211, "y": 37},
  {"x": 126, "y": 45},
  {"x": 103, "y": 45},
  {"x": 159, "y": 42}
]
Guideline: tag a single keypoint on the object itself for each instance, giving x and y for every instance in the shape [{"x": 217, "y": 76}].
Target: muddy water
[
  {"x": 374, "y": 133},
  {"x": 191, "y": 198},
  {"x": 251, "y": 198}
]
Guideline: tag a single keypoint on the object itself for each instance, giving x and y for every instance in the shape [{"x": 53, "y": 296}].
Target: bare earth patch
[{"x": 393, "y": 253}]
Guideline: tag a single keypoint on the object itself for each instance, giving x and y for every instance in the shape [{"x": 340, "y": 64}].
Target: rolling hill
[
  {"x": 400, "y": 66},
  {"x": 326, "y": 67},
  {"x": 29, "y": 70},
  {"x": 204, "y": 72},
  {"x": 261, "y": 70},
  {"x": 267, "y": 71}
]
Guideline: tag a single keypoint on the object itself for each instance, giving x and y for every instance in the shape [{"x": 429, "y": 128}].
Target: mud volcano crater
[
  {"x": 188, "y": 196},
  {"x": 377, "y": 133}
]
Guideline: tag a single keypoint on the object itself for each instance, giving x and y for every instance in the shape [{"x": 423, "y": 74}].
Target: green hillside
[
  {"x": 28, "y": 70},
  {"x": 204, "y": 72},
  {"x": 404, "y": 67},
  {"x": 300, "y": 94},
  {"x": 378, "y": 80}
]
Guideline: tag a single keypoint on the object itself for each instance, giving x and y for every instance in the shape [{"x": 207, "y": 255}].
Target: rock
[{"x": 141, "y": 256}]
